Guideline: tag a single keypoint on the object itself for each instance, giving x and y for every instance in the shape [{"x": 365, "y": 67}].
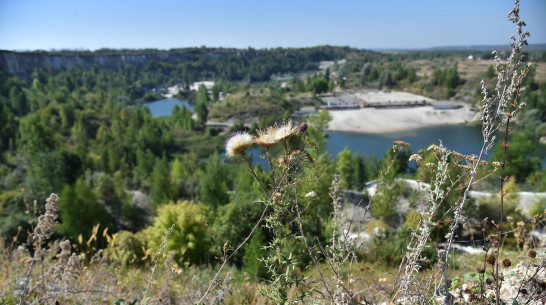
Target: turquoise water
[
  {"x": 165, "y": 107},
  {"x": 464, "y": 139}
]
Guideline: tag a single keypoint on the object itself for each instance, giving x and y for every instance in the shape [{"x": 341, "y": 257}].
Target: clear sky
[{"x": 165, "y": 24}]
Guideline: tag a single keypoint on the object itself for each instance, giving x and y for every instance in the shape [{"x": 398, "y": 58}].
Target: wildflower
[
  {"x": 238, "y": 144},
  {"x": 303, "y": 127},
  {"x": 266, "y": 138},
  {"x": 401, "y": 143},
  {"x": 416, "y": 158},
  {"x": 458, "y": 154},
  {"x": 284, "y": 132},
  {"x": 434, "y": 147},
  {"x": 497, "y": 164},
  {"x": 463, "y": 167}
]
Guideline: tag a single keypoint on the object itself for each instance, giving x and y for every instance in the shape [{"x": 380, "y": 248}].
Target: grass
[{"x": 341, "y": 270}]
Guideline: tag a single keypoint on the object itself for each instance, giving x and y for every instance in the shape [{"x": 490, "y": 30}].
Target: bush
[
  {"x": 189, "y": 240},
  {"x": 126, "y": 248}
]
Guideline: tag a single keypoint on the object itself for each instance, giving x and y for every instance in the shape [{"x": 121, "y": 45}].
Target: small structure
[{"x": 208, "y": 84}]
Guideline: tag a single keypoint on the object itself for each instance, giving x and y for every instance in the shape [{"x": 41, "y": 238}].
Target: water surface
[
  {"x": 461, "y": 138},
  {"x": 165, "y": 107}
]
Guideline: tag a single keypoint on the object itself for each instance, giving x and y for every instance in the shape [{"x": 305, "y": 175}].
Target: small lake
[
  {"x": 461, "y": 138},
  {"x": 165, "y": 107}
]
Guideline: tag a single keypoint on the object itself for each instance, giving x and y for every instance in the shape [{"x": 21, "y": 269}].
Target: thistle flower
[
  {"x": 267, "y": 138},
  {"x": 303, "y": 127},
  {"x": 238, "y": 143},
  {"x": 285, "y": 131}
]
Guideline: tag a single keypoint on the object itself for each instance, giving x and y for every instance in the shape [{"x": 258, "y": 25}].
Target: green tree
[
  {"x": 202, "y": 112},
  {"x": 214, "y": 183},
  {"x": 318, "y": 85},
  {"x": 318, "y": 123},
  {"x": 360, "y": 175},
  {"x": 254, "y": 252},
  {"x": 345, "y": 168},
  {"x": 520, "y": 162},
  {"x": 161, "y": 182},
  {"x": 80, "y": 210},
  {"x": 490, "y": 73}
]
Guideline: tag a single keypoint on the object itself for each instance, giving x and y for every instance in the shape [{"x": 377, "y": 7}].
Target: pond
[
  {"x": 165, "y": 107},
  {"x": 461, "y": 138}
]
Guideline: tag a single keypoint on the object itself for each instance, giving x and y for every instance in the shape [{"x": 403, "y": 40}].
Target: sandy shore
[{"x": 372, "y": 120}]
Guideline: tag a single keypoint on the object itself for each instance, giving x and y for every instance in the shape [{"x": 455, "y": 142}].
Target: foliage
[
  {"x": 76, "y": 204},
  {"x": 214, "y": 183},
  {"x": 128, "y": 249},
  {"x": 189, "y": 240},
  {"x": 521, "y": 164}
]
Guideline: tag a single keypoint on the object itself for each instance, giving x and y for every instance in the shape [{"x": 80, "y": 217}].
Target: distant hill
[
  {"x": 22, "y": 64},
  {"x": 536, "y": 46}
]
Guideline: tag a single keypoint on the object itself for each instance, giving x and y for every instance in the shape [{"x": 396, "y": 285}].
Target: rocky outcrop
[{"x": 22, "y": 64}]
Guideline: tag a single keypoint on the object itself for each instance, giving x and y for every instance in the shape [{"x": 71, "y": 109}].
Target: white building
[{"x": 208, "y": 84}]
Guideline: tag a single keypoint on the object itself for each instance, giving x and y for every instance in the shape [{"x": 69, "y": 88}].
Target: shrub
[
  {"x": 190, "y": 240},
  {"x": 126, "y": 248}
]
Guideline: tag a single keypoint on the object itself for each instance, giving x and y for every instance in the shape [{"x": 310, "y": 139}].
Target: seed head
[
  {"x": 491, "y": 260},
  {"x": 506, "y": 263},
  {"x": 416, "y": 158},
  {"x": 285, "y": 131},
  {"x": 401, "y": 143},
  {"x": 238, "y": 143},
  {"x": 532, "y": 253},
  {"x": 266, "y": 138}
]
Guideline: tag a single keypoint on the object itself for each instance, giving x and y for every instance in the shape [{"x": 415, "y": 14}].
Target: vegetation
[{"x": 275, "y": 229}]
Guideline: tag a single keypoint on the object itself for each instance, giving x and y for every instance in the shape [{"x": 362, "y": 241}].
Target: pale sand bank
[
  {"x": 371, "y": 120},
  {"x": 376, "y": 96}
]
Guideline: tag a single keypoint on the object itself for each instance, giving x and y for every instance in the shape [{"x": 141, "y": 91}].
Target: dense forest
[{"x": 80, "y": 131}]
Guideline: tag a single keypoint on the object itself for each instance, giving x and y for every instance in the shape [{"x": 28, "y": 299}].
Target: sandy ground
[
  {"x": 376, "y": 120},
  {"x": 371, "y": 120}
]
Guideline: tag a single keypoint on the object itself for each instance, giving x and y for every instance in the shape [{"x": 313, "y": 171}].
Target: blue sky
[{"x": 165, "y": 24}]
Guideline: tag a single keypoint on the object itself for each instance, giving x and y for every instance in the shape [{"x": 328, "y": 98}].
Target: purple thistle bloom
[{"x": 303, "y": 127}]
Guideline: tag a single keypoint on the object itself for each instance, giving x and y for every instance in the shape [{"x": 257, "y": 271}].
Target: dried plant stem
[
  {"x": 214, "y": 280},
  {"x": 313, "y": 257},
  {"x": 159, "y": 252}
]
